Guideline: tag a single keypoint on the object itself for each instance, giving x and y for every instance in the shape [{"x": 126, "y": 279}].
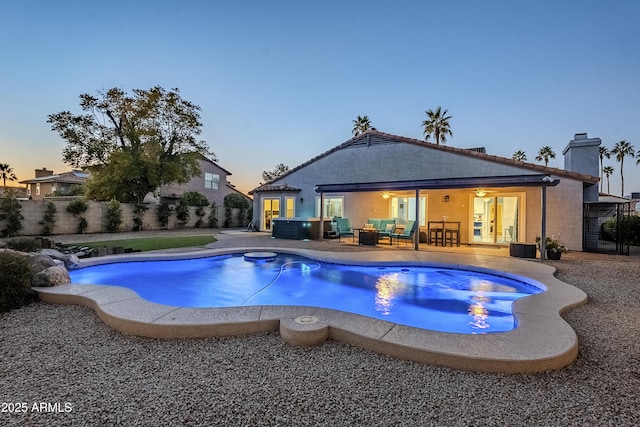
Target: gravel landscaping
[{"x": 88, "y": 374}]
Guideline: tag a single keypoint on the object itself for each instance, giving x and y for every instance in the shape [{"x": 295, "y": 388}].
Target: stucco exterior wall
[
  {"x": 393, "y": 161},
  {"x": 385, "y": 160},
  {"x": 197, "y": 183}
]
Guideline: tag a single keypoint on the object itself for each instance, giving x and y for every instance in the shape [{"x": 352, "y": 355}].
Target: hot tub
[{"x": 298, "y": 228}]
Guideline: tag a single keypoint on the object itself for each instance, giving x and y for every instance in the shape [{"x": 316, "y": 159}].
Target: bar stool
[
  {"x": 452, "y": 234},
  {"x": 436, "y": 235}
]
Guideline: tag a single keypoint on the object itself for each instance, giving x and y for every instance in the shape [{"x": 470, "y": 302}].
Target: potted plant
[{"x": 553, "y": 247}]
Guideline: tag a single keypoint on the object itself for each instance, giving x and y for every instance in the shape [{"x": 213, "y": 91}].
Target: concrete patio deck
[{"x": 542, "y": 341}]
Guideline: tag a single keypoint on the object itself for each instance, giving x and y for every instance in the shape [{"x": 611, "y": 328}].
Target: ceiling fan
[{"x": 481, "y": 192}]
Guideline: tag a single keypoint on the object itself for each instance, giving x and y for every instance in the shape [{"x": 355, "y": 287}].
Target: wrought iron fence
[{"x": 595, "y": 238}]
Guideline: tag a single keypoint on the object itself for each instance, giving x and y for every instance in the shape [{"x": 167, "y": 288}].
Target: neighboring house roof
[
  {"x": 365, "y": 139},
  {"x": 609, "y": 198},
  {"x": 73, "y": 177},
  {"x": 233, "y": 187},
  {"x": 275, "y": 187},
  {"x": 216, "y": 164}
]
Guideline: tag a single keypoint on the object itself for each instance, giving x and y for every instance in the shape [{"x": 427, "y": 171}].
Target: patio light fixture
[
  {"x": 480, "y": 192},
  {"x": 385, "y": 195}
]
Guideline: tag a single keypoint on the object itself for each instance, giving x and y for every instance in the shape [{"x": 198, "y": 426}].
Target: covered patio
[{"x": 474, "y": 206}]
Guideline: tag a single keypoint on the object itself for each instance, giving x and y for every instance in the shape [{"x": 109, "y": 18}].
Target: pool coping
[{"x": 542, "y": 341}]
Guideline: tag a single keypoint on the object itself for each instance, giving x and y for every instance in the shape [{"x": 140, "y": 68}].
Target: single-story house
[
  {"x": 493, "y": 200},
  {"x": 47, "y": 183}
]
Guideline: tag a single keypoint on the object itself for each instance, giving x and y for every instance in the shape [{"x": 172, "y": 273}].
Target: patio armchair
[
  {"x": 343, "y": 227},
  {"x": 407, "y": 234},
  {"x": 387, "y": 228}
]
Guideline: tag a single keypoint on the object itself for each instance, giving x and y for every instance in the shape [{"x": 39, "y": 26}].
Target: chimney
[
  {"x": 43, "y": 172},
  {"x": 582, "y": 155}
]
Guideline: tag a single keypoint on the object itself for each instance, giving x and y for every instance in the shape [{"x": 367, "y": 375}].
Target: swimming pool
[{"x": 439, "y": 299}]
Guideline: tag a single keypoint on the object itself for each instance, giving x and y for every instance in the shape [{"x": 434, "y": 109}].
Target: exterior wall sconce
[
  {"x": 480, "y": 193},
  {"x": 385, "y": 195},
  {"x": 446, "y": 198},
  {"x": 301, "y": 199}
]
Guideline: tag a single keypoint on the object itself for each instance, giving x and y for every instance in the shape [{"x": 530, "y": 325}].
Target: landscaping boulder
[
  {"x": 70, "y": 260},
  {"x": 39, "y": 262},
  {"x": 12, "y": 252},
  {"x": 51, "y": 276}
]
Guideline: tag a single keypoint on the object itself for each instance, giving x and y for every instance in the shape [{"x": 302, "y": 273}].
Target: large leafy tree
[
  {"x": 277, "y": 172},
  {"x": 132, "y": 144},
  {"x": 520, "y": 156},
  {"x": 621, "y": 150},
  {"x": 604, "y": 152},
  {"x": 361, "y": 124},
  {"x": 608, "y": 171},
  {"x": 545, "y": 154},
  {"x": 6, "y": 172},
  {"x": 437, "y": 125}
]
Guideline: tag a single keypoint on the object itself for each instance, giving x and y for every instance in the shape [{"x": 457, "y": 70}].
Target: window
[
  {"x": 333, "y": 206},
  {"x": 290, "y": 207},
  {"x": 211, "y": 180},
  {"x": 37, "y": 189},
  {"x": 405, "y": 208}
]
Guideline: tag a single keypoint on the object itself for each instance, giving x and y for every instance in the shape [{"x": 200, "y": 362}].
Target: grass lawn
[{"x": 151, "y": 243}]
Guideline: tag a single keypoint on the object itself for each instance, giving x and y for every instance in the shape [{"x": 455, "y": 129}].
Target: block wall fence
[{"x": 96, "y": 216}]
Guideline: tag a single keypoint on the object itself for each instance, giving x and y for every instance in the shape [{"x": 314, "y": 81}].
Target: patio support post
[
  {"x": 321, "y": 215},
  {"x": 416, "y": 235},
  {"x": 543, "y": 231}
]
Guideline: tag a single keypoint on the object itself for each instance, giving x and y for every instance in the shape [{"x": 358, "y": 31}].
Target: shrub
[
  {"x": 23, "y": 244},
  {"x": 235, "y": 200},
  {"x": 15, "y": 281},
  {"x": 194, "y": 198},
  {"x": 77, "y": 208},
  {"x": 138, "y": 214},
  {"x": 48, "y": 218},
  {"x": 10, "y": 211},
  {"x": 199, "y": 213},
  {"x": 228, "y": 213},
  {"x": 182, "y": 213},
  {"x": 629, "y": 229},
  {"x": 213, "y": 216},
  {"x": 114, "y": 216},
  {"x": 163, "y": 213}
]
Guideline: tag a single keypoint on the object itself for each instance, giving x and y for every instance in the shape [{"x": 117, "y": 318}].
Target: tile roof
[
  {"x": 73, "y": 177},
  {"x": 275, "y": 187},
  {"x": 474, "y": 152}
]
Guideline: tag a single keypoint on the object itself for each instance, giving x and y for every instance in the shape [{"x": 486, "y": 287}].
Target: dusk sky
[{"x": 282, "y": 81}]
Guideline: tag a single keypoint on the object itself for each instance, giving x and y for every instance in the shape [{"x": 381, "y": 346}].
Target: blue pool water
[{"x": 441, "y": 299}]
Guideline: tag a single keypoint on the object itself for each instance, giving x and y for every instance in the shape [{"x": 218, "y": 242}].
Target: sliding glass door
[{"x": 495, "y": 219}]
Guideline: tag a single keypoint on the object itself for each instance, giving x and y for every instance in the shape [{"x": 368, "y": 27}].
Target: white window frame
[
  {"x": 327, "y": 200},
  {"x": 211, "y": 181},
  {"x": 286, "y": 207}
]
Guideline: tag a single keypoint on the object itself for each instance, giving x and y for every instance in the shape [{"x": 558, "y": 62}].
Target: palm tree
[
  {"x": 361, "y": 124},
  {"x": 519, "y": 156},
  {"x": 608, "y": 170},
  {"x": 604, "y": 152},
  {"x": 6, "y": 172},
  {"x": 437, "y": 124},
  {"x": 621, "y": 150},
  {"x": 545, "y": 154}
]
